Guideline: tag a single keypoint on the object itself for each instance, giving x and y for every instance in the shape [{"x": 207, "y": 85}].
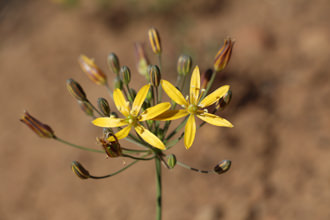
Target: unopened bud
[
  {"x": 75, "y": 90},
  {"x": 42, "y": 130},
  {"x": 224, "y": 101},
  {"x": 222, "y": 167},
  {"x": 142, "y": 60},
  {"x": 93, "y": 72},
  {"x": 86, "y": 107},
  {"x": 104, "y": 107},
  {"x": 113, "y": 63},
  {"x": 79, "y": 170},
  {"x": 223, "y": 56},
  {"x": 118, "y": 83},
  {"x": 154, "y": 75},
  {"x": 184, "y": 65},
  {"x": 125, "y": 74},
  {"x": 171, "y": 161},
  {"x": 206, "y": 76},
  {"x": 154, "y": 40},
  {"x": 111, "y": 147}
]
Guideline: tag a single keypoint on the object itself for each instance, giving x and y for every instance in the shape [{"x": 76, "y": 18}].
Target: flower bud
[
  {"x": 171, "y": 161},
  {"x": 79, "y": 170},
  {"x": 75, "y": 90},
  {"x": 154, "y": 75},
  {"x": 222, "y": 167},
  {"x": 154, "y": 40},
  {"x": 224, "y": 101},
  {"x": 206, "y": 76},
  {"x": 93, "y": 72},
  {"x": 104, "y": 107},
  {"x": 113, "y": 63},
  {"x": 223, "y": 56},
  {"x": 118, "y": 83},
  {"x": 111, "y": 148},
  {"x": 142, "y": 60},
  {"x": 86, "y": 107},
  {"x": 42, "y": 130},
  {"x": 184, "y": 65},
  {"x": 125, "y": 74}
]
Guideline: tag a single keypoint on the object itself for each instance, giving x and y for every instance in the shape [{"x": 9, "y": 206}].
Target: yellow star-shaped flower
[
  {"x": 133, "y": 117},
  {"x": 193, "y": 106}
]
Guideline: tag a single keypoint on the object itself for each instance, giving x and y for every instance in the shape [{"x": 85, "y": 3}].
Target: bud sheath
[
  {"x": 104, "y": 107},
  {"x": 154, "y": 74},
  {"x": 113, "y": 63},
  {"x": 154, "y": 40},
  {"x": 93, "y": 72},
  {"x": 75, "y": 90},
  {"x": 222, "y": 167},
  {"x": 125, "y": 74},
  {"x": 223, "y": 56},
  {"x": 184, "y": 65},
  {"x": 42, "y": 130},
  {"x": 79, "y": 170}
]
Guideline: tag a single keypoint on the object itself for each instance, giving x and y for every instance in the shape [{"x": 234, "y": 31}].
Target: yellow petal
[
  {"x": 171, "y": 115},
  {"x": 149, "y": 137},
  {"x": 121, "y": 134},
  {"x": 154, "y": 111},
  {"x": 214, "y": 120},
  {"x": 195, "y": 86},
  {"x": 121, "y": 104},
  {"x": 107, "y": 122},
  {"x": 173, "y": 93},
  {"x": 214, "y": 96},
  {"x": 139, "y": 99},
  {"x": 189, "y": 132}
]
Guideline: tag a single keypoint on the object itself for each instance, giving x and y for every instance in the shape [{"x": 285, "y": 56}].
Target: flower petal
[
  {"x": 121, "y": 134},
  {"x": 214, "y": 120},
  {"x": 195, "y": 86},
  {"x": 214, "y": 96},
  {"x": 173, "y": 93},
  {"x": 121, "y": 104},
  {"x": 154, "y": 111},
  {"x": 189, "y": 131},
  {"x": 139, "y": 99},
  {"x": 149, "y": 137},
  {"x": 171, "y": 115},
  {"x": 109, "y": 122}
]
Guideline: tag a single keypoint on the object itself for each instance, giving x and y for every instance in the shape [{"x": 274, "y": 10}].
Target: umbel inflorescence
[{"x": 142, "y": 117}]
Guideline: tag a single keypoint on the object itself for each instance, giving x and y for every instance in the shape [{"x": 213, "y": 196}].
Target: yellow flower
[
  {"x": 193, "y": 106},
  {"x": 133, "y": 117}
]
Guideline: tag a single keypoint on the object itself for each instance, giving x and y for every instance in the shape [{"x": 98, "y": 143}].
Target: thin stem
[
  {"x": 115, "y": 173},
  {"x": 98, "y": 112},
  {"x": 158, "y": 189},
  {"x": 137, "y": 158},
  {"x": 134, "y": 150},
  {"x": 177, "y": 129},
  {"x": 109, "y": 90},
  {"x": 78, "y": 146},
  {"x": 174, "y": 142},
  {"x": 193, "y": 169}
]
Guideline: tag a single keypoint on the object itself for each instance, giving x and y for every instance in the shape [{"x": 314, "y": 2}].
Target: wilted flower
[
  {"x": 93, "y": 72},
  {"x": 223, "y": 56},
  {"x": 111, "y": 148},
  {"x": 42, "y": 130}
]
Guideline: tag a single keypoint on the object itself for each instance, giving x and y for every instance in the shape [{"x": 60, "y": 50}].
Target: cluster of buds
[{"x": 141, "y": 112}]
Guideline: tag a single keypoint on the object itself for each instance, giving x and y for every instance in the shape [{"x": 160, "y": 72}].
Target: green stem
[
  {"x": 177, "y": 129},
  {"x": 137, "y": 158},
  {"x": 158, "y": 189},
  {"x": 174, "y": 142},
  {"x": 95, "y": 108},
  {"x": 193, "y": 169},
  {"x": 77, "y": 146},
  {"x": 115, "y": 173},
  {"x": 109, "y": 90}
]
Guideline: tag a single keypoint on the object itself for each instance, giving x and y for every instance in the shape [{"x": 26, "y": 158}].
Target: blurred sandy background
[{"x": 279, "y": 73}]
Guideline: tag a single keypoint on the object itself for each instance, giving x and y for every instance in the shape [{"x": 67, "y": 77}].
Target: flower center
[
  {"x": 131, "y": 120},
  {"x": 192, "y": 109}
]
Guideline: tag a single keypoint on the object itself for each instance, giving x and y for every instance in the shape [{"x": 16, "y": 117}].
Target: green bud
[
  {"x": 184, "y": 65},
  {"x": 222, "y": 167},
  {"x": 104, "y": 107},
  {"x": 171, "y": 161},
  {"x": 113, "y": 63},
  {"x": 86, "y": 107},
  {"x": 224, "y": 101},
  {"x": 79, "y": 170},
  {"x": 75, "y": 90},
  {"x": 154, "y": 40},
  {"x": 125, "y": 75},
  {"x": 118, "y": 83},
  {"x": 154, "y": 75}
]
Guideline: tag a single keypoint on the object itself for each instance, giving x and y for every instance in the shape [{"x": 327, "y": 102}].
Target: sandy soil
[{"x": 279, "y": 73}]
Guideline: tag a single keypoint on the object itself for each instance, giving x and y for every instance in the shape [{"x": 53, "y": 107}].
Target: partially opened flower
[
  {"x": 193, "y": 106},
  {"x": 133, "y": 117}
]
